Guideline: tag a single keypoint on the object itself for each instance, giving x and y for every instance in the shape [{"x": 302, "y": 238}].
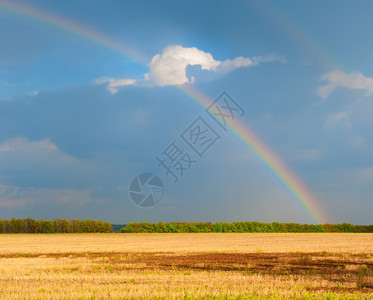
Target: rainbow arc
[{"x": 274, "y": 164}]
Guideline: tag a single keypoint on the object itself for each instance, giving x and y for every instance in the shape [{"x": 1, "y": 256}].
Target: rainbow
[
  {"x": 301, "y": 195},
  {"x": 72, "y": 28},
  {"x": 298, "y": 190}
]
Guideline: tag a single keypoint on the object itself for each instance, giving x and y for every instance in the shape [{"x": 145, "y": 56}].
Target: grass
[{"x": 186, "y": 266}]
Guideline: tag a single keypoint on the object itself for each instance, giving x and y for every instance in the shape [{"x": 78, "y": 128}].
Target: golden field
[{"x": 186, "y": 266}]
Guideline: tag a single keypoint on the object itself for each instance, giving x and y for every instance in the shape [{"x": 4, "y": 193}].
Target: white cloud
[
  {"x": 113, "y": 84},
  {"x": 170, "y": 67},
  {"x": 21, "y": 144},
  {"x": 270, "y": 58},
  {"x": 353, "y": 80},
  {"x": 229, "y": 65}
]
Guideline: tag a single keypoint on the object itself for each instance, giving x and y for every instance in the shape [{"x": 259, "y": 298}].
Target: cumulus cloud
[
  {"x": 170, "y": 67},
  {"x": 353, "y": 81}
]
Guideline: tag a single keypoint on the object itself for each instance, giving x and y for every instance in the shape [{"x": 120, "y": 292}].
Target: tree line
[
  {"x": 178, "y": 227},
  {"x": 56, "y": 226}
]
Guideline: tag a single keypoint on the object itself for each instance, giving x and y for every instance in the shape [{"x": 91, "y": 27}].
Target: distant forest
[
  {"x": 29, "y": 225},
  {"x": 56, "y": 226},
  {"x": 242, "y": 227}
]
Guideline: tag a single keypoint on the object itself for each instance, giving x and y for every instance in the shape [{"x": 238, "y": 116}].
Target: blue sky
[{"x": 79, "y": 120}]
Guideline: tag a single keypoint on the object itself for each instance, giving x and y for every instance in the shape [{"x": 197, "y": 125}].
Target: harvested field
[{"x": 35, "y": 269}]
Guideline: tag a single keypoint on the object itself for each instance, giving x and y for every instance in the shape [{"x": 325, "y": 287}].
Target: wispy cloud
[
  {"x": 353, "y": 81},
  {"x": 170, "y": 67},
  {"x": 270, "y": 58},
  {"x": 15, "y": 196},
  {"x": 113, "y": 84},
  {"x": 37, "y": 159},
  {"x": 23, "y": 144},
  {"x": 341, "y": 117}
]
